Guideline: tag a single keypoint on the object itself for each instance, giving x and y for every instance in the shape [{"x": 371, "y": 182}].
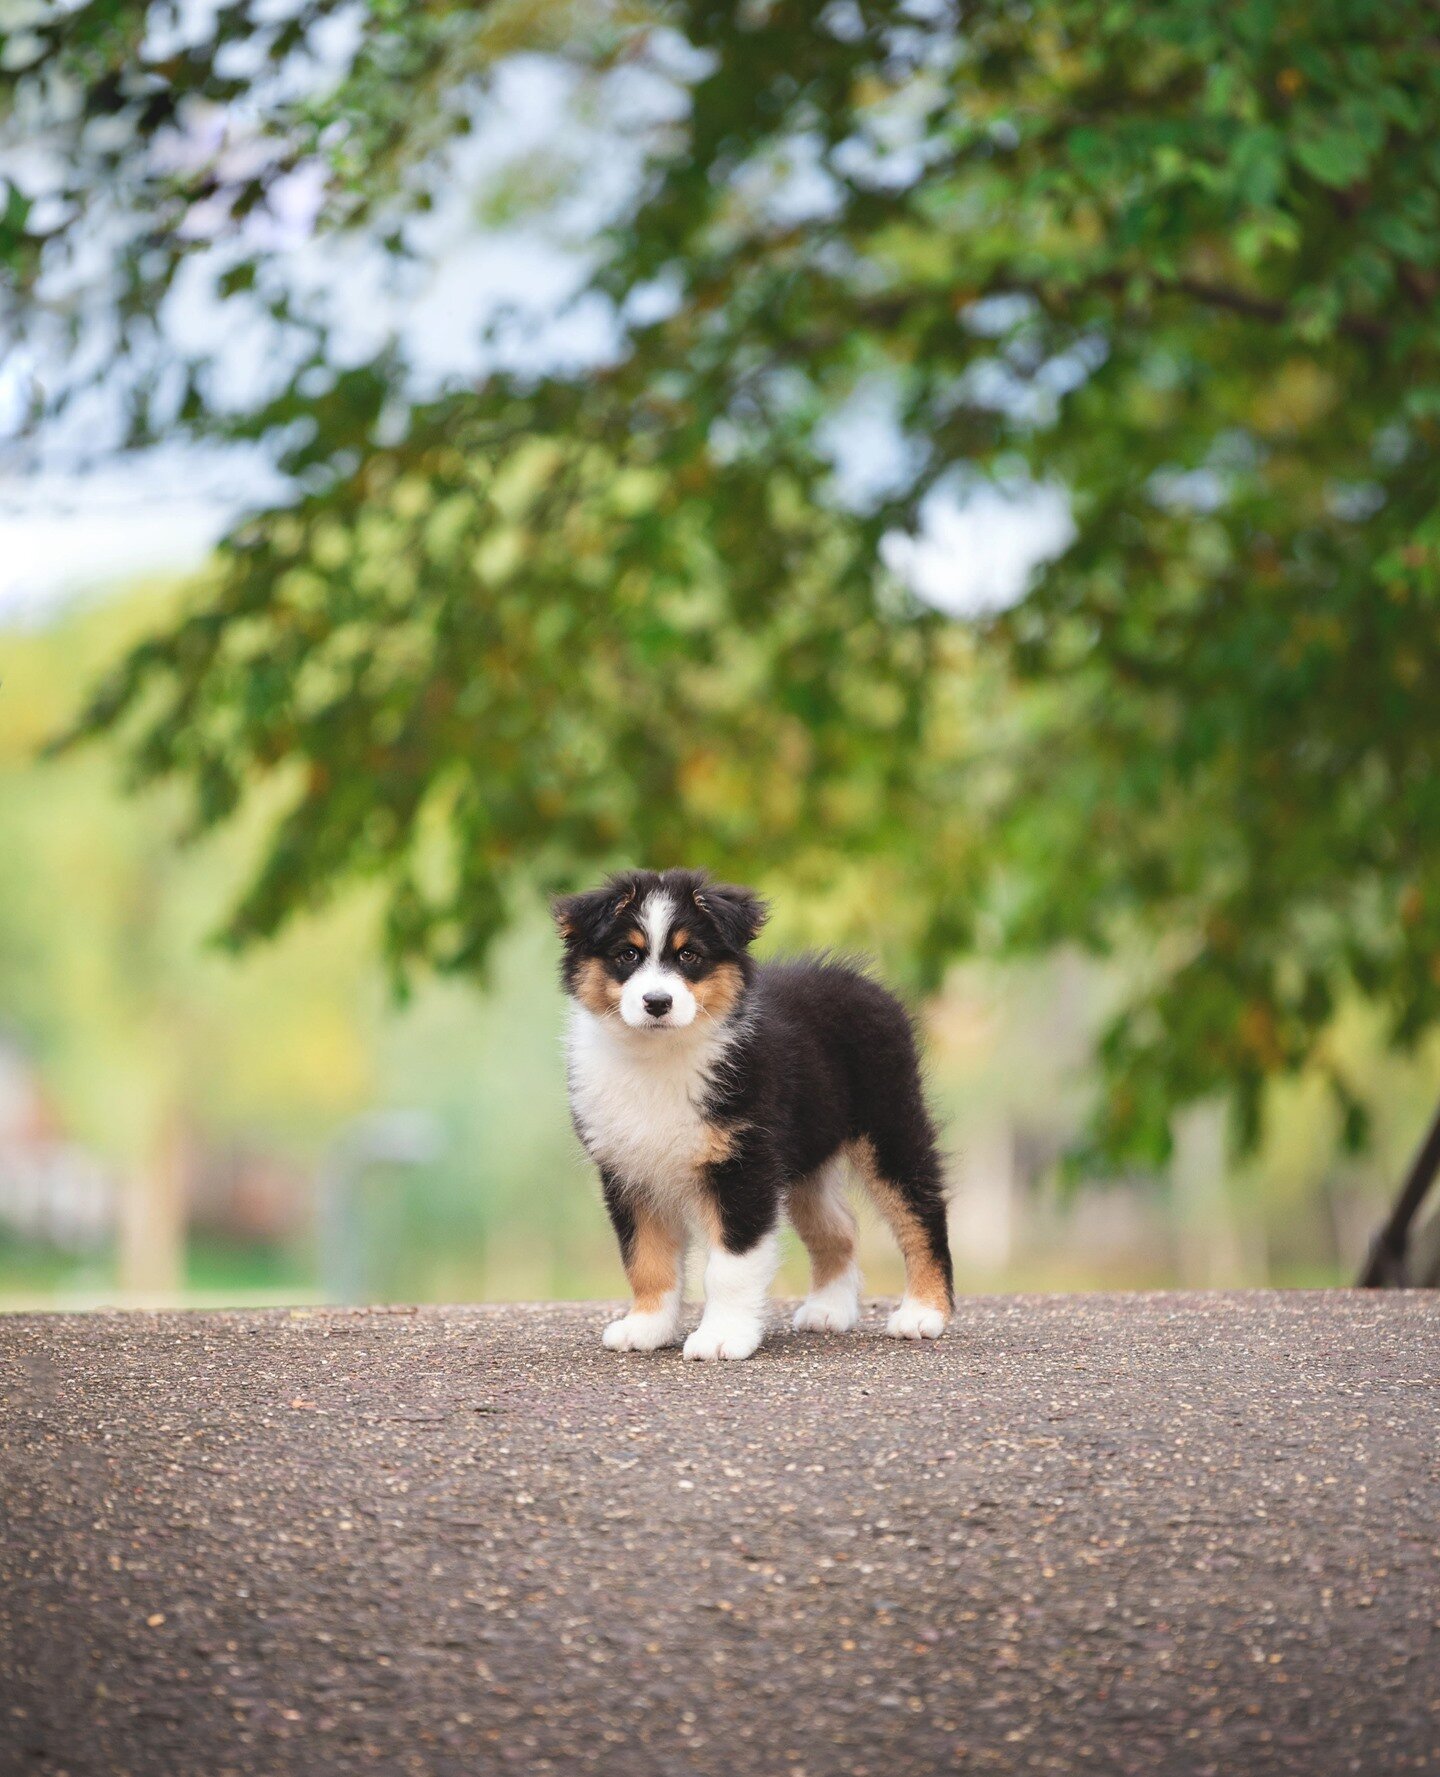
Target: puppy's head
[{"x": 659, "y": 951}]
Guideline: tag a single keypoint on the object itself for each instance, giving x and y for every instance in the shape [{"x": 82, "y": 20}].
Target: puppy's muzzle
[{"x": 658, "y": 1004}]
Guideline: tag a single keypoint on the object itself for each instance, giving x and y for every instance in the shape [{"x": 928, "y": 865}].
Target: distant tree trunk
[
  {"x": 983, "y": 1224},
  {"x": 152, "y": 1219},
  {"x": 1390, "y": 1265},
  {"x": 1208, "y": 1246}
]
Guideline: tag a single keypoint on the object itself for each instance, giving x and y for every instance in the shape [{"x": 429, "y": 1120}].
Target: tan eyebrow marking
[
  {"x": 680, "y": 938},
  {"x": 635, "y": 938}
]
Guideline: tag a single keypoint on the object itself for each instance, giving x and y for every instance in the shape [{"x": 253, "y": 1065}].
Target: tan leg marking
[
  {"x": 822, "y": 1219},
  {"x": 924, "y": 1280},
  {"x": 719, "y": 1142},
  {"x": 654, "y": 1260},
  {"x": 707, "y": 1214}
]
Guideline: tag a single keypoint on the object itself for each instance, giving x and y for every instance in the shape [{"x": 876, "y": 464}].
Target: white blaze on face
[{"x": 654, "y": 976}]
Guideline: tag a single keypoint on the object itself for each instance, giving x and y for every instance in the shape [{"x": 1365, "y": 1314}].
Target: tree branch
[{"x": 1258, "y": 308}]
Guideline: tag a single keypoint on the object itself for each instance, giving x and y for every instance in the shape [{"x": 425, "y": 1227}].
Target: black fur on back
[{"x": 827, "y": 1057}]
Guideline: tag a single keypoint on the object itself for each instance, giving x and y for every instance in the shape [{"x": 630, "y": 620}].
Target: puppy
[{"x": 715, "y": 1094}]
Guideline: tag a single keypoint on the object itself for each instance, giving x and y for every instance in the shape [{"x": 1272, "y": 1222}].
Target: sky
[{"x": 72, "y": 535}]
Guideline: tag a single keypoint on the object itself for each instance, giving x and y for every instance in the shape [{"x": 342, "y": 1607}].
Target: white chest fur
[{"x": 637, "y": 1097}]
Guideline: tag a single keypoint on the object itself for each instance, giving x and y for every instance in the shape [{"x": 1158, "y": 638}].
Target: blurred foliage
[
  {"x": 1179, "y": 258},
  {"x": 104, "y": 971},
  {"x": 137, "y": 1029}
]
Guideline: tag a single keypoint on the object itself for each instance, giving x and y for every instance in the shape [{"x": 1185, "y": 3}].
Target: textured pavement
[{"x": 1110, "y": 1533}]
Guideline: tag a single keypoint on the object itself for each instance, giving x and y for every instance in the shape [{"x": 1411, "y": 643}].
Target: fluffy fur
[{"x": 715, "y": 1094}]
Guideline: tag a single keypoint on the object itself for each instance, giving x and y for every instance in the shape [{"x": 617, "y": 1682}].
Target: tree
[{"x": 1178, "y": 259}]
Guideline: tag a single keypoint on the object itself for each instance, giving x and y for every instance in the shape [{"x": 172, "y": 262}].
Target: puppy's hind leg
[
  {"x": 823, "y": 1220},
  {"x": 908, "y": 1193}
]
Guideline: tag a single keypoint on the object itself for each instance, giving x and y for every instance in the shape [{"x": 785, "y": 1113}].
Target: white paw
[
  {"x": 640, "y": 1332},
  {"x": 834, "y": 1309},
  {"x": 720, "y": 1336},
  {"x": 913, "y": 1320}
]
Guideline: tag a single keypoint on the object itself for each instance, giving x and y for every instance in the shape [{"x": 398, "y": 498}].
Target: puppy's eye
[
  {"x": 628, "y": 954},
  {"x": 687, "y": 955}
]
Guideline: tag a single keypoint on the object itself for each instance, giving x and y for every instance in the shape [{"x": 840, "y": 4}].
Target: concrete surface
[{"x": 1109, "y": 1534}]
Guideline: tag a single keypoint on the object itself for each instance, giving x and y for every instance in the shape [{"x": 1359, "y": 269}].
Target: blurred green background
[
  {"x": 139, "y": 1065},
  {"x": 970, "y": 472}
]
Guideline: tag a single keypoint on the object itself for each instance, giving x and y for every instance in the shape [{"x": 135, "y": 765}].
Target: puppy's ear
[
  {"x": 565, "y": 913},
  {"x": 575, "y": 915},
  {"x": 578, "y": 916},
  {"x": 738, "y": 913}
]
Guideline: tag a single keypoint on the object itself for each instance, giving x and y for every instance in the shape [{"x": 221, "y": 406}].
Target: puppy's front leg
[
  {"x": 654, "y": 1253},
  {"x": 741, "y": 1224},
  {"x": 737, "y": 1289}
]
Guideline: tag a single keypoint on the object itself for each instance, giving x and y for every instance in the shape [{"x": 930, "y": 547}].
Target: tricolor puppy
[{"x": 716, "y": 1095}]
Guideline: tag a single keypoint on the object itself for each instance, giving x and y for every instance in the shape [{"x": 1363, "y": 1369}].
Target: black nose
[{"x": 658, "y": 1004}]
